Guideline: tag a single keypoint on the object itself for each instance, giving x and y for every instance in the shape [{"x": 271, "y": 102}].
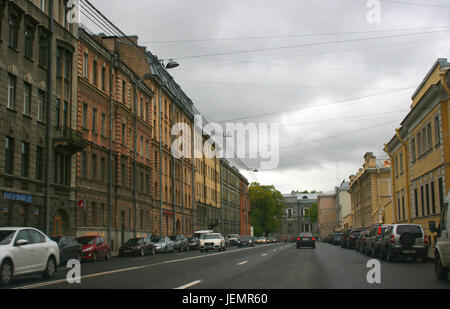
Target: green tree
[
  {"x": 266, "y": 204},
  {"x": 312, "y": 213}
]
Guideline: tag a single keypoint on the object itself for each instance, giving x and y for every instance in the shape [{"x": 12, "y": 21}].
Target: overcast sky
[{"x": 337, "y": 84}]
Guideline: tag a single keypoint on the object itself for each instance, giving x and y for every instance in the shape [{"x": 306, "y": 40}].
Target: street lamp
[{"x": 170, "y": 65}]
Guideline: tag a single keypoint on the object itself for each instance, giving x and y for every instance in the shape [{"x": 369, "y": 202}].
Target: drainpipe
[
  {"x": 194, "y": 199},
  {"x": 386, "y": 149},
  {"x": 160, "y": 162},
  {"x": 174, "y": 204},
  {"x": 48, "y": 126},
  {"x": 137, "y": 84}
]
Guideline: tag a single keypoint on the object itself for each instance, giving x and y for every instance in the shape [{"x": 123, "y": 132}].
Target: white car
[
  {"x": 24, "y": 251},
  {"x": 212, "y": 241}
]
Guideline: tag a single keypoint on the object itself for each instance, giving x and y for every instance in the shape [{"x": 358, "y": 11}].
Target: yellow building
[
  {"x": 420, "y": 153},
  {"x": 370, "y": 191}
]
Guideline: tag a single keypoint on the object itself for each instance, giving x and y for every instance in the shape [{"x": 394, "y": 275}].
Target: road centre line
[
  {"x": 242, "y": 263},
  {"x": 188, "y": 285},
  {"x": 42, "y": 284}
]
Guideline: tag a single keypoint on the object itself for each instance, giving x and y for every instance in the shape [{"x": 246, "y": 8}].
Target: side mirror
[{"x": 22, "y": 242}]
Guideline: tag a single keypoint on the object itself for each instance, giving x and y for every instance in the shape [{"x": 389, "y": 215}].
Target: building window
[
  {"x": 26, "y": 99},
  {"x": 433, "y": 199},
  {"x": 437, "y": 131},
  {"x": 95, "y": 73},
  {"x": 401, "y": 163},
  {"x": 9, "y": 155},
  {"x": 13, "y": 30},
  {"x": 429, "y": 137},
  {"x": 102, "y": 125},
  {"x": 396, "y": 166},
  {"x": 58, "y": 113},
  {"x": 85, "y": 115},
  {"x": 427, "y": 189},
  {"x": 40, "y": 105},
  {"x": 43, "y": 51},
  {"x": 94, "y": 215},
  {"x": 124, "y": 85},
  {"x": 123, "y": 134},
  {"x": 102, "y": 168},
  {"x": 413, "y": 149},
  {"x": 422, "y": 200},
  {"x": 123, "y": 173},
  {"x": 25, "y": 159},
  {"x": 103, "y": 76},
  {"x": 42, "y": 5},
  {"x": 11, "y": 91},
  {"x": 39, "y": 162},
  {"x": 416, "y": 202},
  {"x": 94, "y": 167},
  {"x": 94, "y": 120},
  {"x": 83, "y": 164},
  {"x": 29, "y": 38},
  {"x": 441, "y": 193},
  {"x": 85, "y": 66}
]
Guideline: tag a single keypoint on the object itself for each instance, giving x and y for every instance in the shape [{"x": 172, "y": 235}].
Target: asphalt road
[{"x": 274, "y": 266}]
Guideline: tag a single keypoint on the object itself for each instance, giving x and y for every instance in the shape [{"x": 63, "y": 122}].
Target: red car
[{"x": 94, "y": 248}]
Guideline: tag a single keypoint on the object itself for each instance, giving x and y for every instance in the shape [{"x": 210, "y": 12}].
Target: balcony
[{"x": 68, "y": 140}]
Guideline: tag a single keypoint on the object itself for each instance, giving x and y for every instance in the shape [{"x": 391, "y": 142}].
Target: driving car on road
[
  {"x": 94, "y": 247},
  {"x": 261, "y": 240},
  {"x": 137, "y": 246},
  {"x": 404, "y": 240},
  {"x": 442, "y": 251},
  {"x": 69, "y": 248},
  {"x": 212, "y": 241},
  {"x": 164, "y": 244},
  {"x": 306, "y": 240},
  {"x": 246, "y": 240},
  {"x": 25, "y": 251},
  {"x": 233, "y": 239}
]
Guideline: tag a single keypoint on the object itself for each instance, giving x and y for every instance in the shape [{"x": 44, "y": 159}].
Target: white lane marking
[
  {"x": 188, "y": 285},
  {"x": 127, "y": 269},
  {"x": 242, "y": 263},
  {"x": 264, "y": 254}
]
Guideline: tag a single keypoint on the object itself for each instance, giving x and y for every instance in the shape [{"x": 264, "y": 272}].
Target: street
[{"x": 273, "y": 266}]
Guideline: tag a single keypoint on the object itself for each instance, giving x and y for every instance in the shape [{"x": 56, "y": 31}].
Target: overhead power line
[
  {"x": 308, "y": 45},
  {"x": 417, "y": 4}
]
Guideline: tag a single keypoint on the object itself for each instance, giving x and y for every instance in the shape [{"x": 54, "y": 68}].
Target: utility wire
[{"x": 416, "y": 4}]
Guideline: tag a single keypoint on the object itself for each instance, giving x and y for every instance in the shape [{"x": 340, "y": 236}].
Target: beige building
[
  {"x": 419, "y": 151},
  {"x": 327, "y": 215},
  {"x": 370, "y": 191},
  {"x": 343, "y": 206}
]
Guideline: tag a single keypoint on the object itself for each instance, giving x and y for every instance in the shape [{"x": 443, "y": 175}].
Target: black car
[
  {"x": 69, "y": 248},
  {"x": 181, "y": 242},
  {"x": 349, "y": 238},
  {"x": 137, "y": 246},
  {"x": 246, "y": 240},
  {"x": 194, "y": 243},
  {"x": 306, "y": 240}
]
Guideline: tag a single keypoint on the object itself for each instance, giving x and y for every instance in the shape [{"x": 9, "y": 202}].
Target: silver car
[
  {"x": 165, "y": 245},
  {"x": 404, "y": 240},
  {"x": 25, "y": 251}
]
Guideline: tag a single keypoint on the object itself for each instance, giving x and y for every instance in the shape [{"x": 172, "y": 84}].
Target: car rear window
[{"x": 414, "y": 229}]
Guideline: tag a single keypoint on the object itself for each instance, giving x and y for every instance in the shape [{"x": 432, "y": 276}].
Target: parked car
[
  {"x": 137, "y": 246},
  {"x": 212, "y": 241},
  {"x": 374, "y": 240},
  {"x": 164, "y": 244},
  {"x": 349, "y": 239},
  {"x": 233, "y": 239},
  {"x": 404, "y": 240},
  {"x": 94, "y": 248},
  {"x": 246, "y": 240},
  {"x": 181, "y": 242},
  {"x": 344, "y": 238},
  {"x": 360, "y": 243},
  {"x": 272, "y": 240},
  {"x": 25, "y": 251},
  {"x": 337, "y": 239},
  {"x": 442, "y": 251},
  {"x": 69, "y": 248},
  {"x": 306, "y": 240},
  {"x": 194, "y": 243}
]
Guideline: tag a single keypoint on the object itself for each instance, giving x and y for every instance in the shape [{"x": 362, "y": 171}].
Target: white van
[{"x": 442, "y": 252}]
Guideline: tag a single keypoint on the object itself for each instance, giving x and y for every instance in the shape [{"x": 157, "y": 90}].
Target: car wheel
[
  {"x": 50, "y": 270},
  {"x": 142, "y": 252},
  {"x": 441, "y": 272},
  {"x": 224, "y": 248},
  {"x": 94, "y": 258},
  {"x": 6, "y": 272}
]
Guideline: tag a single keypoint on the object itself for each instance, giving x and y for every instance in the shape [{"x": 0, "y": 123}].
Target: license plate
[
  {"x": 209, "y": 245},
  {"x": 409, "y": 251},
  {"x": 305, "y": 238}
]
